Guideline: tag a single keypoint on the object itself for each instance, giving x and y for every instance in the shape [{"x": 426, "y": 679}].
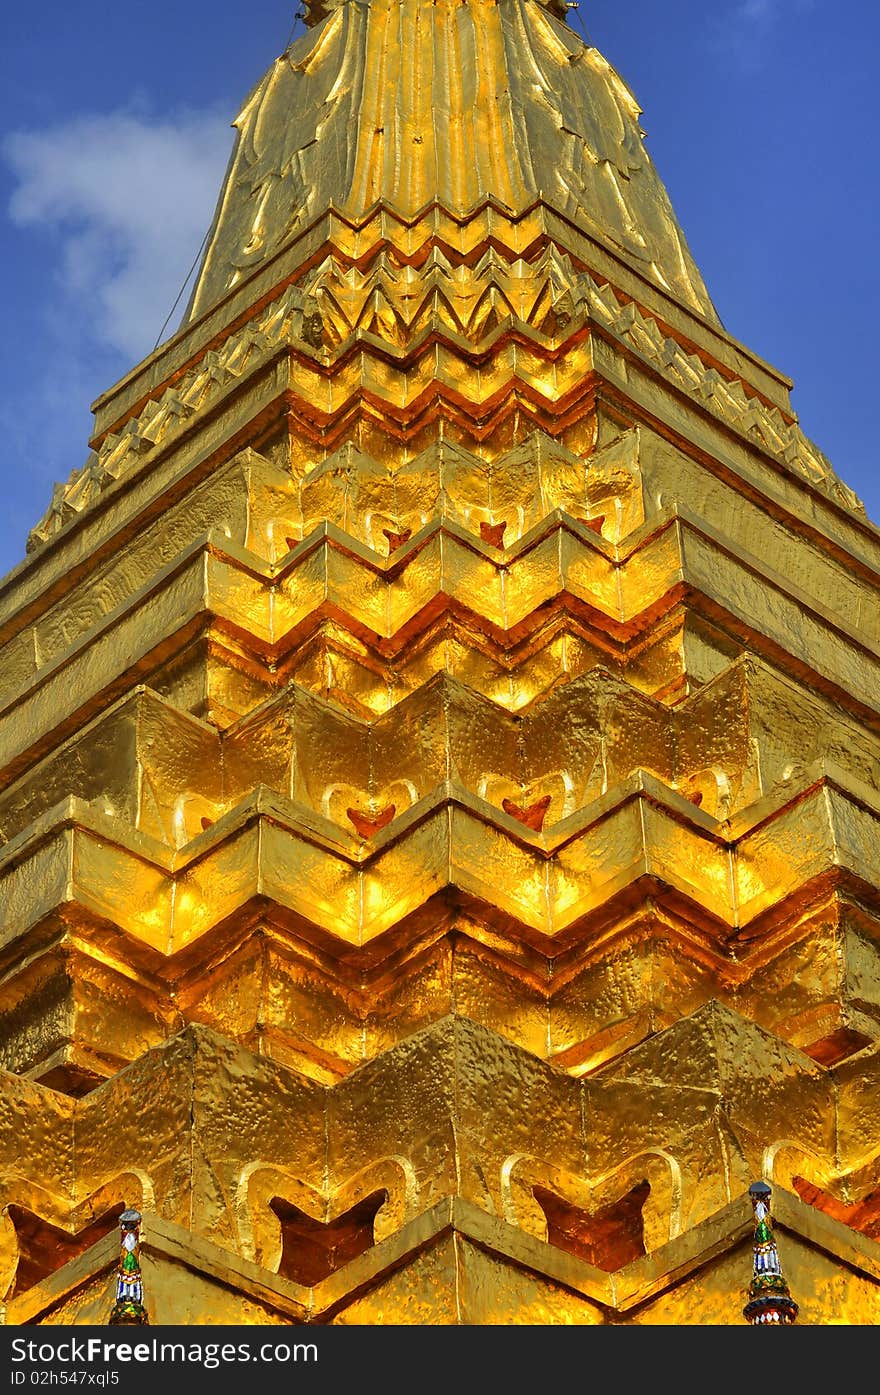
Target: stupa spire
[
  {"x": 403, "y": 105},
  {"x": 438, "y": 739}
]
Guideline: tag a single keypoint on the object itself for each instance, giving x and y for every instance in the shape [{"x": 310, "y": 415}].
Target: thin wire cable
[
  {"x": 299, "y": 14},
  {"x": 196, "y": 261},
  {"x": 581, "y": 24}
]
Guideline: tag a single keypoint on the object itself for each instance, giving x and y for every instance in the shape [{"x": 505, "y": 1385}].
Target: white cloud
[
  {"x": 743, "y": 25},
  {"x": 757, "y": 10},
  {"x": 110, "y": 211},
  {"x": 763, "y": 12},
  {"x": 125, "y": 200}
]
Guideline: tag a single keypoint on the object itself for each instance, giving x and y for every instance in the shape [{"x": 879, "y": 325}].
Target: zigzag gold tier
[{"x": 440, "y": 747}]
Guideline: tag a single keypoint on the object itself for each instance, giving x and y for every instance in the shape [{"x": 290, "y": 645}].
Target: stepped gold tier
[{"x": 440, "y": 747}]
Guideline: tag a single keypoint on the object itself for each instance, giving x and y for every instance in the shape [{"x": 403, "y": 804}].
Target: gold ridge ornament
[
  {"x": 129, "y": 1310},
  {"x": 770, "y": 1303}
]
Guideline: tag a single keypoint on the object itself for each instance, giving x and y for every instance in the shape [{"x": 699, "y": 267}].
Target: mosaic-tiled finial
[
  {"x": 129, "y": 1310},
  {"x": 770, "y": 1303}
]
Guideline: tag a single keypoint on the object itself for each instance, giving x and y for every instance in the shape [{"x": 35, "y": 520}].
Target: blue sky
[{"x": 115, "y": 135}]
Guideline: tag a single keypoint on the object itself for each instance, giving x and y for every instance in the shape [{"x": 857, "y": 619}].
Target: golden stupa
[{"x": 439, "y": 747}]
